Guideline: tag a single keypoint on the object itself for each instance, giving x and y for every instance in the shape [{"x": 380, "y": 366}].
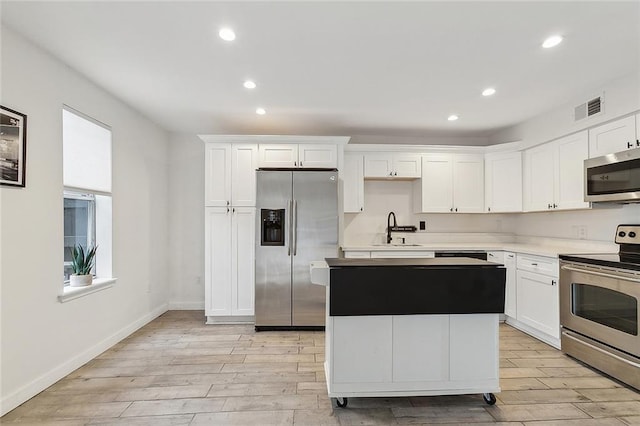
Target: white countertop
[{"x": 527, "y": 248}]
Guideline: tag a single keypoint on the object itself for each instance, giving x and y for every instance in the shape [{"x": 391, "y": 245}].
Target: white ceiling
[{"x": 341, "y": 68}]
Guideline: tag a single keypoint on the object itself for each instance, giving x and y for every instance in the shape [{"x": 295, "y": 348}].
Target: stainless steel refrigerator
[{"x": 297, "y": 222}]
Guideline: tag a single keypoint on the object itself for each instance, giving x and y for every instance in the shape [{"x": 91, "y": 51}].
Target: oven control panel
[{"x": 628, "y": 234}]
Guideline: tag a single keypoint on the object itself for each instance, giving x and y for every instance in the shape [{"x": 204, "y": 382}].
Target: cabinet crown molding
[
  {"x": 428, "y": 149},
  {"x": 276, "y": 139}
]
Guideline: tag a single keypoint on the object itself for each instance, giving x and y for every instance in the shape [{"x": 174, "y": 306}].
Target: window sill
[{"x": 99, "y": 284}]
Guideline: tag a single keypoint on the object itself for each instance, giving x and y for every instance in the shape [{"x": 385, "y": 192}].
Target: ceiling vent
[{"x": 590, "y": 108}]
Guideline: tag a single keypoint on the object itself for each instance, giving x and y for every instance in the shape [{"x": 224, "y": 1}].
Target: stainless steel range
[{"x": 599, "y": 298}]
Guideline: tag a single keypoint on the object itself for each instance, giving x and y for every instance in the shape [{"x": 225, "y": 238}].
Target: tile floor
[{"x": 178, "y": 371}]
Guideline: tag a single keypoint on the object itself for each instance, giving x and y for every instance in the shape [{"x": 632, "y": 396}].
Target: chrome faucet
[{"x": 395, "y": 224}]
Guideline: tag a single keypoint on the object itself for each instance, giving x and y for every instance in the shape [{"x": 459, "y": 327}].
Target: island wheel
[
  {"x": 489, "y": 398},
  {"x": 342, "y": 402}
]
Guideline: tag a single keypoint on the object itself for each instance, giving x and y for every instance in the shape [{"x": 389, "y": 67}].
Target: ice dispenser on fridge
[{"x": 272, "y": 231}]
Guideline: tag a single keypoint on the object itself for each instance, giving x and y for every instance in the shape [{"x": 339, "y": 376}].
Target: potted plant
[{"x": 82, "y": 263}]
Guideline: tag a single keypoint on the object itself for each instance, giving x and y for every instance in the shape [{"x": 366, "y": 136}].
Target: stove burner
[{"x": 628, "y": 256}]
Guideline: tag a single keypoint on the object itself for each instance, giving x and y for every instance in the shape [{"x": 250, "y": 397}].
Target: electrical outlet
[{"x": 582, "y": 232}]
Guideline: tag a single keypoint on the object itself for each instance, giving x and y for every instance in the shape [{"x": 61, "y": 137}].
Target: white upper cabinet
[
  {"x": 244, "y": 162},
  {"x": 554, "y": 174},
  {"x": 468, "y": 183},
  {"x": 317, "y": 156},
  {"x": 353, "y": 183},
  {"x": 392, "y": 165},
  {"x": 217, "y": 175},
  {"x": 434, "y": 192},
  {"x": 306, "y": 156},
  {"x": 503, "y": 182},
  {"x": 571, "y": 151},
  {"x": 540, "y": 170},
  {"x": 450, "y": 183},
  {"x": 618, "y": 135},
  {"x": 230, "y": 174},
  {"x": 278, "y": 155}
]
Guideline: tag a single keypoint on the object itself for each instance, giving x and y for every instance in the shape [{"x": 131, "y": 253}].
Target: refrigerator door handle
[
  {"x": 290, "y": 206},
  {"x": 294, "y": 227}
]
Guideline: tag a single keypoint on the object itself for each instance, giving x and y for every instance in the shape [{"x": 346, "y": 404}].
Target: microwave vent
[{"x": 588, "y": 109}]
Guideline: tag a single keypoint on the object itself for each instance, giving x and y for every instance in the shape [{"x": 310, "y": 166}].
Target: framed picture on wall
[{"x": 13, "y": 147}]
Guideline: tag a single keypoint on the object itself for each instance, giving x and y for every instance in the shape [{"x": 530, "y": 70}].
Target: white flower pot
[{"x": 80, "y": 280}]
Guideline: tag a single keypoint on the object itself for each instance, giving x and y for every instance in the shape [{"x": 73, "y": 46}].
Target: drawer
[
  {"x": 402, "y": 254},
  {"x": 538, "y": 264},
  {"x": 495, "y": 256},
  {"x": 357, "y": 255}
]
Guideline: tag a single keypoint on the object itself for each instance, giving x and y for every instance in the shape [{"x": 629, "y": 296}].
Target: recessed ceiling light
[
  {"x": 452, "y": 117},
  {"x": 249, "y": 84},
  {"x": 488, "y": 91},
  {"x": 552, "y": 41},
  {"x": 227, "y": 34},
  {"x": 261, "y": 111}
]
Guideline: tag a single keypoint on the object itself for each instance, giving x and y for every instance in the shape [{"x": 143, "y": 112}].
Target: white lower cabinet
[
  {"x": 511, "y": 300},
  {"x": 508, "y": 259},
  {"x": 362, "y": 349},
  {"x": 412, "y": 354},
  {"x": 229, "y": 261},
  {"x": 538, "y": 298}
]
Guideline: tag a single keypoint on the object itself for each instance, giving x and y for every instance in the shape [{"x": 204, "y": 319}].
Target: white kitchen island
[{"x": 410, "y": 327}]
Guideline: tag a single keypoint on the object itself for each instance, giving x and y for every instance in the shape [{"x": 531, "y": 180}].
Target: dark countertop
[{"x": 434, "y": 262}]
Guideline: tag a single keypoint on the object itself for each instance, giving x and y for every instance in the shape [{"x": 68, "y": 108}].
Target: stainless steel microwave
[{"x": 613, "y": 177}]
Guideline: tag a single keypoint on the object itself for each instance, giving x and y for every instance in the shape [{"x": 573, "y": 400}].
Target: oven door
[{"x": 601, "y": 303}]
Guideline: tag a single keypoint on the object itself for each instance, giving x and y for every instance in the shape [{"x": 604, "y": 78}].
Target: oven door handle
[{"x": 600, "y": 274}]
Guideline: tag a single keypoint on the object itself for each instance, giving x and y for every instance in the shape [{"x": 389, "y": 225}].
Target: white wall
[
  {"x": 621, "y": 97},
  {"x": 187, "y": 222},
  {"x": 43, "y": 339}
]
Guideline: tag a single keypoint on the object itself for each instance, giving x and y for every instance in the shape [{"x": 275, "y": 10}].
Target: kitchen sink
[{"x": 396, "y": 245}]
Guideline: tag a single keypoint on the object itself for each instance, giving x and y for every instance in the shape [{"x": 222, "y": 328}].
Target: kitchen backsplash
[{"x": 381, "y": 197}]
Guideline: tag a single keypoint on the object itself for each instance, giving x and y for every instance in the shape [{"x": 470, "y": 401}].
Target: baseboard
[
  {"x": 11, "y": 401},
  {"x": 186, "y": 306},
  {"x": 534, "y": 332},
  {"x": 244, "y": 319}
]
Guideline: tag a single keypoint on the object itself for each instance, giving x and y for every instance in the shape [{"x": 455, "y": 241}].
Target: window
[
  {"x": 87, "y": 189},
  {"x": 79, "y": 224}
]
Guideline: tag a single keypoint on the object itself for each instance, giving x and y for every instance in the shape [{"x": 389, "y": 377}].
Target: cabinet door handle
[
  {"x": 555, "y": 206},
  {"x": 629, "y": 145},
  {"x": 361, "y": 208},
  {"x": 395, "y": 173},
  {"x": 233, "y": 210},
  {"x": 548, "y": 206},
  {"x": 227, "y": 209},
  {"x": 295, "y": 163},
  {"x": 451, "y": 209},
  {"x": 301, "y": 164},
  {"x": 227, "y": 203},
  {"x": 488, "y": 209},
  {"x": 534, "y": 264},
  {"x": 456, "y": 209},
  {"x": 390, "y": 173},
  {"x": 638, "y": 142},
  {"x": 553, "y": 282}
]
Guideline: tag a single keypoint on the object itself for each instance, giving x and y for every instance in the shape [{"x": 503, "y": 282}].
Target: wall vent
[{"x": 589, "y": 108}]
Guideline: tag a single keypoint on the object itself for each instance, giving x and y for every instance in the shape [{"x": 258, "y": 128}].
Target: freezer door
[
  {"x": 315, "y": 237},
  {"x": 273, "y": 262}
]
